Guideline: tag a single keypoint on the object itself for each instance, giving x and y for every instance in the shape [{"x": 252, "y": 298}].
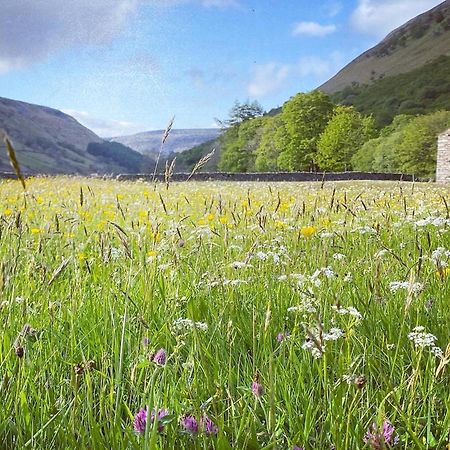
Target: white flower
[
  {"x": 312, "y": 347},
  {"x": 328, "y": 272},
  {"x": 115, "y": 253},
  {"x": 339, "y": 256},
  {"x": 333, "y": 335},
  {"x": 262, "y": 256},
  {"x": 421, "y": 338},
  {"x": 415, "y": 288},
  {"x": 351, "y": 310},
  {"x": 354, "y": 312},
  {"x": 188, "y": 324}
]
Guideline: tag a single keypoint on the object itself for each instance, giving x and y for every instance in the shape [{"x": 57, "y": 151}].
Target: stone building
[{"x": 443, "y": 158}]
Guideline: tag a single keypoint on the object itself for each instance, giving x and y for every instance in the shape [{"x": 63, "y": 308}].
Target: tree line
[{"x": 312, "y": 133}]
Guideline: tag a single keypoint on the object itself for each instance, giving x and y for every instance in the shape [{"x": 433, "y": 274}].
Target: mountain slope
[
  {"x": 149, "y": 142},
  {"x": 418, "y": 42},
  {"x": 49, "y": 141},
  {"x": 420, "y": 91}
]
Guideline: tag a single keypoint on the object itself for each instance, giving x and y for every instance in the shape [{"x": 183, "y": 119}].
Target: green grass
[{"x": 97, "y": 266}]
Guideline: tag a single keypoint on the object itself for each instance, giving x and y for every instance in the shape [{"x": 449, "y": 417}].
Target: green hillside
[
  {"x": 423, "y": 90},
  {"x": 409, "y": 47}
]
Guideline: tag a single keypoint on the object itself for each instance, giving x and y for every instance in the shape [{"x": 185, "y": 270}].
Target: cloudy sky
[{"x": 122, "y": 66}]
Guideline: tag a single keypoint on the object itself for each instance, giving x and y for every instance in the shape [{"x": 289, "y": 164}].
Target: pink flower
[
  {"x": 190, "y": 424},
  {"x": 379, "y": 439},
  {"x": 208, "y": 425},
  {"x": 160, "y": 357},
  {"x": 140, "y": 419},
  {"x": 257, "y": 389}
]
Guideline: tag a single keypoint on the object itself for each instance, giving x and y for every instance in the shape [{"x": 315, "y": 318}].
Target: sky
[{"x": 125, "y": 66}]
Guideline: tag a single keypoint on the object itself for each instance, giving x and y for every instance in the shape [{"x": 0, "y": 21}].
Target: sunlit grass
[{"x": 287, "y": 285}]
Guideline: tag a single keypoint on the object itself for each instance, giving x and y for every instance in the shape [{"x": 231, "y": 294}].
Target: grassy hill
[
  {"x": 51, "y": 142},
  {"x": 411, "y": 46},
  {"x": 420, "y": 91}
]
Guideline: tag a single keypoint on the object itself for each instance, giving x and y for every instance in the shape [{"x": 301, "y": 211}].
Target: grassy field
[{"x": 226, "y": 316}]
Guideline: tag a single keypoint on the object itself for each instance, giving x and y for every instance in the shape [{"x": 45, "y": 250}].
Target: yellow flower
[
  {"x": 36, "y": 231},
  {"x": 152, "y": 253},
  {"x": 7, "y": 212},
  {"x": 210, "y": 217},
  {"x": 308, "y": 231},
  {"x": 443, "y": 273},
  {"x": 82, "y": 256},
  {"x": 280, "y": 224},
  {"x": 223, "y": 220},
  {"x": 201, "y": 222}
]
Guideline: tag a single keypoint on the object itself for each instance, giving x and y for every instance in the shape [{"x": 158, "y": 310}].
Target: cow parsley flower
[{"x": 415, "y": 288}]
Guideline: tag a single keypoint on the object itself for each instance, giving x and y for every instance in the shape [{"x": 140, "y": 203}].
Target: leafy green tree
[
  {"x": 418, "y": 149},
  {"x": 266, "y": 154},
  {"x": 239, "y": 144},
  {"x": 240, "y": 112},
  {"x": 344, "y": 135},
  {"x": 408, "y": 145},
  {"x": 305, "y": 116}
]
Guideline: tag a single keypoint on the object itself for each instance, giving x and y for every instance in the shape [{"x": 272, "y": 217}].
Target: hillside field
[{"x": 224, "y": 316}]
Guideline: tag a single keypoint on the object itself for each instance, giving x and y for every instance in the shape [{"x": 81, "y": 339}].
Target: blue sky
[{"x": 123, "y": 66}]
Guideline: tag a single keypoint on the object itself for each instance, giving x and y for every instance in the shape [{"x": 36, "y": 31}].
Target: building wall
[{"x": 443, "y": 158}]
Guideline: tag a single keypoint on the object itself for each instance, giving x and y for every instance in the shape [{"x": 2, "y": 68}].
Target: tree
[
  {"x": 240, "y": 112},
  {"x": 239, "y": 144},
  {"x": 343, "y": 136},
  {"x": 305, "y": 116},
  {"x": 266, "y": 154},
  {"x": 418, "y": 149},
  {"x": 408, "y": 145}
]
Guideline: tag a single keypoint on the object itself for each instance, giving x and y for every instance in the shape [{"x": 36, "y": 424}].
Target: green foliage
[
  {"x": 239, "y": 144},
  {"x": 266, "y": 154},
  {"x": 419, "y": 91},
  {"x": 408, "y": 145},
  {"x": 305, "y": 116},
  {"x": 344, "y": 135}
]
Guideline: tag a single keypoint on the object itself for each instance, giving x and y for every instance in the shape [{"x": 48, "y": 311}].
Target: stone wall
[
  {"x": 443, "y": 158},
  {"x": 275, "y": 176},
  {"x": 267, "y": 176}
]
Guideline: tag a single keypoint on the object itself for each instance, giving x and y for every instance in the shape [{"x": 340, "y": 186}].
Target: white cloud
[
  {"x": 379, "y": 17},
  {"x": 267, "y": 78},
  {"x": 103, "y": 127},
  {"x": 312, "y": 29},
  {"x": 33, "y": 30},
  {"x": 272, "y": 77}
]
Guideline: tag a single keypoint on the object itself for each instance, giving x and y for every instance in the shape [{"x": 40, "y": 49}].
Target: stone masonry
[{"x": 443, "y": 158}]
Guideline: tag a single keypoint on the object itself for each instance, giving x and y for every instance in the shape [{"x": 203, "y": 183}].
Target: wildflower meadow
[{"x": 224, "y": 316}]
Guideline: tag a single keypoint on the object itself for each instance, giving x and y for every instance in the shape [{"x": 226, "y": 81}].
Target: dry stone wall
[{"x": 443, "y": 158}]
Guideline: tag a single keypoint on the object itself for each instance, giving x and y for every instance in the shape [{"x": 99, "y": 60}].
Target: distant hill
[
  {"x": 48, "y": 141},
  {"x": 412, "y": 45},
  {"x": 149, "y": 142}
]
